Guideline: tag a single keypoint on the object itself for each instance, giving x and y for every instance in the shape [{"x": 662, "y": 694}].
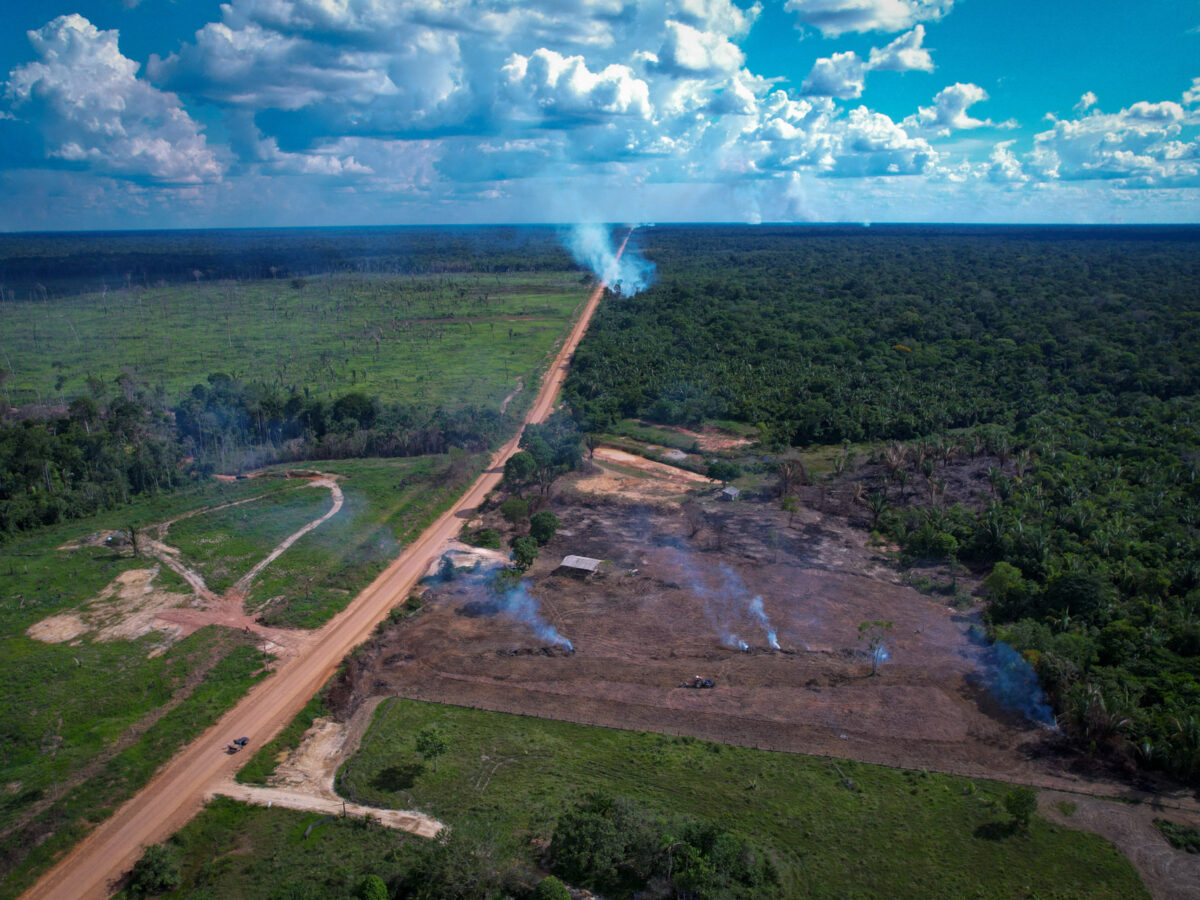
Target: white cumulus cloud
[
  {"x": 1003, "y": 165},
  {"x": 1141, "y": 146},
  {"x": 844, "y": 74},
  {"x": 836, "y": 17},
  {"x": 949, "y": 111},
  {"x": 560, "y": 85},
  {"x": 904, "y": 54},
  {"x": 1086, "y": 102},
  {"x": 687, "y": 51},
  {"x": 1192, "y": 95},
  {"x": 92, "y": 108},
  {"x": 841, "y": 75}
]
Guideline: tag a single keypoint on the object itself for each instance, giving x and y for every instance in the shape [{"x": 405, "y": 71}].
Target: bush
[
  {"x": 372, "y": 887},
  {"x": 525, "y": 551},
  {"x": 156, "y": 872},
  {"x": 1021, "y": 803},
  {"x": 515, "y": 510},
  {"x": 488, "y": 538},
  {"x": 543, "y": 526},
  {"x": 550, "y": 888},
  {"x": 1181, "y": 837},
  {"x": 722, "y": 470}
]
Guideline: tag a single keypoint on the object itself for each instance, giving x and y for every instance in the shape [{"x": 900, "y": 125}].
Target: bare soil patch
[
  {"x": 304, "y": 779},
  {"x": 675, "y": 602},
  {"x": 614, "y": 472},
  {"x": 126, "y": 609},
  {"x": 131, "y": 606},
  {"x": 1169, "y": 874}
]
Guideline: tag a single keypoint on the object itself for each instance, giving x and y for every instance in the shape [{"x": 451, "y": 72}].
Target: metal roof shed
[{"x": 582, "y": 564}]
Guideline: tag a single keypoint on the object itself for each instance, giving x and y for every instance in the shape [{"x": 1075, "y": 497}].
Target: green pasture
[
  {"x": 892, "y": 834},
  {"x": 224, "y": 544},
  {"x": 453, "y": 340},
  {"x": 388, "y": 503}
]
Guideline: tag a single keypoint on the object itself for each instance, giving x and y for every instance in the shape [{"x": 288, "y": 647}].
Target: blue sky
[{"x": 161, "y": 114}]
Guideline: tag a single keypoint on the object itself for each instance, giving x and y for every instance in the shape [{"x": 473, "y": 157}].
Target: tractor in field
[{"x": 699, "y": 682}]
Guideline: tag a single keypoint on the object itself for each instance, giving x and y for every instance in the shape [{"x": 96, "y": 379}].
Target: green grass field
[
  {"x": 896, "y": 834},
  {"x": 223, "y": 545},
  {"x": 389, "y": 502},
  {"x": 450, "y": 340}
]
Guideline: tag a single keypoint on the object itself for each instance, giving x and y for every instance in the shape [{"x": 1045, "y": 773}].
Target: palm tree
[{"x": 877, "y": 503}]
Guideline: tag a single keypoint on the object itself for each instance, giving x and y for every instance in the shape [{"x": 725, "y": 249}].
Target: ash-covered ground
[{"x": 676, "y": 599}]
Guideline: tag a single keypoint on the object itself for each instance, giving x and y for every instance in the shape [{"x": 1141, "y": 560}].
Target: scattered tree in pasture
[
  {"x": 431, "y": 743},
  {"x": 1021, "y": 804}
]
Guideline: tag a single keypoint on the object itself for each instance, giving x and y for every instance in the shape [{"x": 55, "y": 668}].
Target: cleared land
[
  {"x": 669, "y": 604},
  {"x": 450, "y": 340},
  {"x": 674, "y": 600}
]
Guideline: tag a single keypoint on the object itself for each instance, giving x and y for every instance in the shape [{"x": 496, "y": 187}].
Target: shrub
[
  {"x": 525, "y": 551},
  {"x": 1181, "y": 837},
  {"x": 543, "y": 526},
  {"x": 515, "y": 510},
  {"x": 488, "y": 538},
  {"x": 550, "y": 888},
  {"x": 372, "y": 887},
  {"x": 1021, "y": 803},
  {"x": 722, "y": 470},
  {"x": 156, "y": 872}
]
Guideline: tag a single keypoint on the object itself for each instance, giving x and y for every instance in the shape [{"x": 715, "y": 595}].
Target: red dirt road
[{"x": 177, "y": 792}]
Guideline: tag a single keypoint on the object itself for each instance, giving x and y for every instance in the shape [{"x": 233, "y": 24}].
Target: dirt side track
[{"x": 177, "y": 793}]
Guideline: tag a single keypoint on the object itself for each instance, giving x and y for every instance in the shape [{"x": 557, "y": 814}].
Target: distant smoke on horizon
[{"x": 592, "y": 246}]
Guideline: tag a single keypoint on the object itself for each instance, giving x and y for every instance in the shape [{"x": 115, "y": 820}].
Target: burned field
[{"x": 727, "y": 592}]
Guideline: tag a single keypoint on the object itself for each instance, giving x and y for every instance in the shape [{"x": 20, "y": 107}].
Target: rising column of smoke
[
  {"x": 1014, "y": 683},
  {"x": 724, "y": 607},
  {"x": 517, "y": 603},
  {"x": 591, "y": 245},
  {"x": 756, "y": 609}
]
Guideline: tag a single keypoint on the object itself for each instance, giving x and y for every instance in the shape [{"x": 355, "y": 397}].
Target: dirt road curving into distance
[{"x": 177, "y": 792}]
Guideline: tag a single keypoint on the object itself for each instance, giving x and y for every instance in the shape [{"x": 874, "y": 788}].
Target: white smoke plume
[{"x": 621, "y": 269}]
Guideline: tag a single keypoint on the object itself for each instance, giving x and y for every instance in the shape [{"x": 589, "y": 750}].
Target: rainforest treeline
[
  {"x": 115, "y": 444},
  {"x": 1064, "y": 363},
  {"x": 37, "y": 266}
]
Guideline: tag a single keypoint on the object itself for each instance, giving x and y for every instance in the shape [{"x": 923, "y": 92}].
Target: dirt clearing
[
  {"x": 131, "y": 606},
  {"x": 304, "y": 780},
  {"x": 677, "y": 599},
  {"x": 617, "y": 473}
]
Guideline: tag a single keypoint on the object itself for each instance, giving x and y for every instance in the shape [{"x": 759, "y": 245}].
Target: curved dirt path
[
  {"x": 177, "y": 792},
  {"x": 228, "y": 609},
  {"x": 243, "y": 583},
  {"x": 1168, "y": 874}
]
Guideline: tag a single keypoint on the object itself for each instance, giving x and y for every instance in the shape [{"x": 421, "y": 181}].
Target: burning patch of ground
[{"x": 676, "y": 600}]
